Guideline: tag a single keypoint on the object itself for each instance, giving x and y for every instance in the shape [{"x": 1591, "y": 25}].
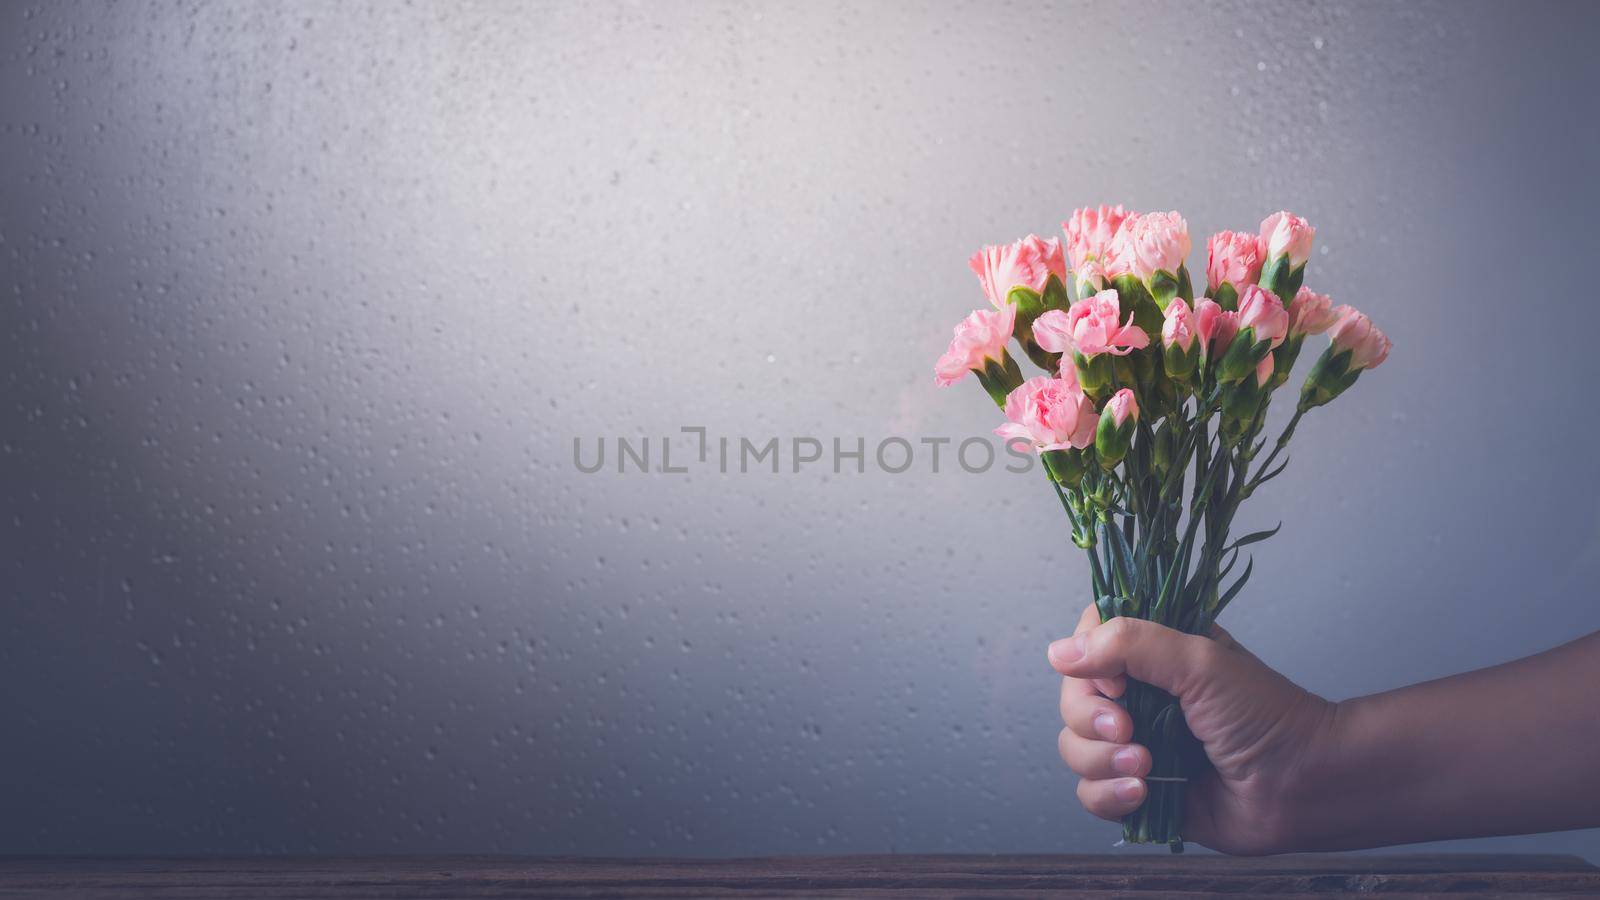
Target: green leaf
[
  {"x": 1276, "y": 471},
  {"x": 1233, "y": 591},
  {"x": 1254, "y": 537}
]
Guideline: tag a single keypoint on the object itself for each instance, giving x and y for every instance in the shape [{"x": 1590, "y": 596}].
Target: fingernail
[
  {"x": 1066, "y": 651},
  {"x": 1129, "y": 789},
  {"x": 1105, "y": 725},
  {"x": 1126, "y": 761}
]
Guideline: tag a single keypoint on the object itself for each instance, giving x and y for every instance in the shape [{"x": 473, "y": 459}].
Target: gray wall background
[{"x": 303, "y": 305}]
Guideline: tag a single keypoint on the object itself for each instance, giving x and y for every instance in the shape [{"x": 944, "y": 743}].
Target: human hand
[{"x": 1259, "y": 729}]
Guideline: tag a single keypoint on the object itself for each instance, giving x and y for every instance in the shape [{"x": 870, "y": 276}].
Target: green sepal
[
  {"x": 1275, "y": 276},
  {"x": 1094, "y": 374},
  {"x": 1000, "y": 378},
  {"x": 1146, "y": 363},
  {"x": 1329, "y": 377},
  {"x": 1291, "y": 285},
  {"x": 1243, "y": 355},
  {"x": 1055, "y": 294},
  {"x": 1027, "y": 301},
  {"x": 1066, "y": 467},
  {"x": 1030, "y": 305},
  {"x": 1283, "y": 359},
  {"x": 1240, "y": 401},
  {"x": 1133, "y": 298},
  {"x": 1163, "y": 287},
  {"x": 1185, "y": 285},
  {"x": 1227, "y": 296},
  {"x": 1181, "y": 363},
  {"x": 1044, "y": 359}
]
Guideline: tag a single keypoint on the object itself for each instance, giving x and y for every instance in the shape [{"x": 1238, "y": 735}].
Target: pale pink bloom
[
  {"x": 1122, "y": 406},
  {"x": 1234, "y": 257},
  {"x": 1091, "y": 326},
  {"x": 1149, "y": 243},
  {"x": 1178, "y": 328},
  {"x": 1283, "y": 232},
  {"x": 1050, "y": 414},
  {"x": 1353, "y": 331},
  {"x": 1225, "y": 324},
  {"x": 1264, "y": 371},
  {"x": 1310, "y": 313},
  {"x": 1206, "y": 312},
  {"x": 1262, "y": 310},
  {"x": 980, "y": 336},
  {"x": 1027, "y": 263},
  {"x": 1089, "y": 234},
  {"x": 1215, "y": 326}
]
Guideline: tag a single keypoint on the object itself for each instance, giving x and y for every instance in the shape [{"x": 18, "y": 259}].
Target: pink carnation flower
[
  {"x": 1233, "y": 257},
  {"x": 1178, "y": 328},
  {"x": 1122, "y": 405},
  {"x": 980, "y": 336},
  {"x": 1027, "y": 263},
  {"x": 1286, "y": 233},
  {"x": 1092, "y": 326},
  {"x": 1310, "y": 313},
  {"x": 1089, "y": 234},
  {"x": 1353, "y": 331},
  {"x": 1147, "y": 244},
  {"x": 1050, "y": 414},
  {"x": 1215, "y": 325},
  {"x": 1262, "y": 310}
]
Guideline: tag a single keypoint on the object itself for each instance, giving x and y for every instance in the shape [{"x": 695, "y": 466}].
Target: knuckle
[{"x": 1118, "y": 635}]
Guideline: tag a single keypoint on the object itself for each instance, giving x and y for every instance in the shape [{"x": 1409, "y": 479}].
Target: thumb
[{"x": 1152, "y": 653}]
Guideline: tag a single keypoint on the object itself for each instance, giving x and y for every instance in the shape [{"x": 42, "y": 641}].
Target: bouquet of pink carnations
[{"x": 1151, "y": 391}]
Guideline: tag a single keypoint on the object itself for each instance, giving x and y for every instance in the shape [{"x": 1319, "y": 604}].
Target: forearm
[{"x": 1506, "y": 750}]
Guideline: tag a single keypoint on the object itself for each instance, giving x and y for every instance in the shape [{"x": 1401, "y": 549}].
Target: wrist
[{"x": 1338, "y": 796}]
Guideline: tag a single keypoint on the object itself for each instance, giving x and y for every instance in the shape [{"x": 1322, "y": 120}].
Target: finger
[
  {"x": 1111, "y": 798},
  {"x": 1091, "y": 715},
  {"x": 1111, "y": 687},
  {"x": 1102, "y": 759},
  {"x": 1154, "y": 654}
]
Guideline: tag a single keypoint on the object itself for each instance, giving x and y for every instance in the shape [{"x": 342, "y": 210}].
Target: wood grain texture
[{"x": 854, "y": 876}]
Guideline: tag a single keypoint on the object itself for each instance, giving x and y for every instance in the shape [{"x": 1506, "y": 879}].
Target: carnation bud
[
  {"x": 1355, "y": 346},
  {"x": 1263, "y": 324},
  {"x": 1180, "y": 343},
  {"x": 1115, "y": 432},
  {"x": 1088, "y": 279},
  {"x": 1287, "y": 241}
]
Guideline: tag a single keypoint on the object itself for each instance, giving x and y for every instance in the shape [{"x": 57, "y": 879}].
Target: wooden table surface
[{"x": 854, "y": 876}]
